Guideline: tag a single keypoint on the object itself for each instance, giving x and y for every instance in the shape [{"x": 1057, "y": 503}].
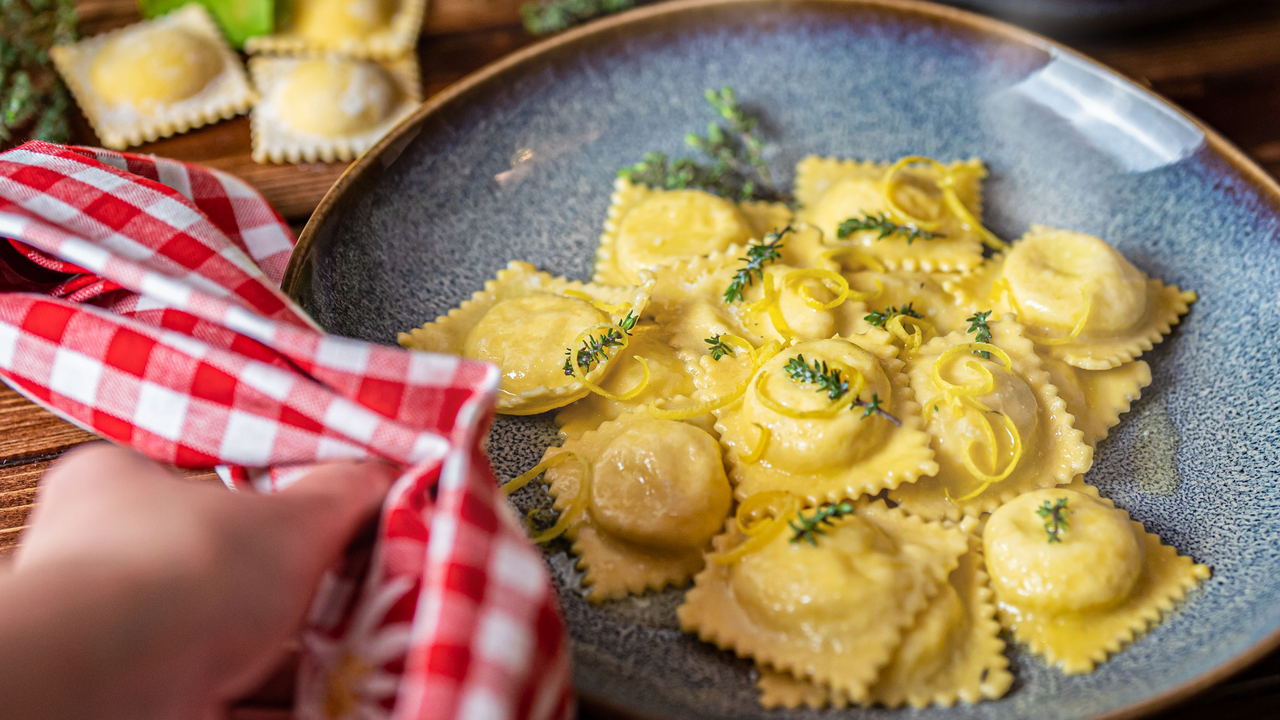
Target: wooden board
[{"x": 1223, "y": 66}]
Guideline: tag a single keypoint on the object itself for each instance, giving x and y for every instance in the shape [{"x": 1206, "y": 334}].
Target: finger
[{"x": 328, "y": 505}]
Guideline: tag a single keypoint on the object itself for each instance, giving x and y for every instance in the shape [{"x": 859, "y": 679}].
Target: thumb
[{"x": 326, "y": 507}]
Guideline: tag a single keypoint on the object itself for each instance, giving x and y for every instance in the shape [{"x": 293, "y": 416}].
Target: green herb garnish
[
  {"x": 544, "y": 18},
  {"x": 595, "y": 349},
  {"x": 33, "y": 100},
  {"x": 823, "y": 519},
  {"x": 875, "y": 408},
  {"x": 718, "y": 347},
  {"x": 738, "y": 170},
  {"x": 829, "y": 380},
  {"x": 758, "y": 255},
  {"x": 1055, "y": 519},
  {"x": 879, "y": 318},
  {"x": 978, "y": 324},
  {"x": 884, "y": 227}
]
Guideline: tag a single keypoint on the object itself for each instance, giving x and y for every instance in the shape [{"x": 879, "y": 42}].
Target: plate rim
[{"x": 1267, "y": 186}]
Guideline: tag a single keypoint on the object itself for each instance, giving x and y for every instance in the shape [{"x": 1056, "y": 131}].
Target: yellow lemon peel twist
[{"x": 946, "y": 184}]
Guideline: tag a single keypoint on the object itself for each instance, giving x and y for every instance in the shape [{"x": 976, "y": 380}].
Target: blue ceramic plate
[{"x": 518, "y": 162}]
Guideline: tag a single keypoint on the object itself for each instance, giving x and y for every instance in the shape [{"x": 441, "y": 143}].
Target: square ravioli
[
  {"x": 372, "y": 29},
  {"x": 1079, "y": 298},
  {"x": 999, "y": 428},
  {"x": 648, "y": 228},
  {"x": 953, "y": 652},
  {"x": 327, "y": 107},
  {"x": 831, "y": 605},
  {"x": 155, "y": 78},
  {"x": 825, "y": 420},
  {"x": 553, "y": 339},
  {"x": 907, "y": 225},
  {"x": 641, "y": 502},
  {"x": 1077, "y": 579}
]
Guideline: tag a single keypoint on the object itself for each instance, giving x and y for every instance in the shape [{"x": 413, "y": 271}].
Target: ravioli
[
  {"x": 792, "y": 435},
  {"x": 526, "y": 321},
  {"x": 668, "y": 379},
  {"x": 648, "y": 228},
  {"x": 1097, "y": 398},
  {"x": 831, "y": 191},
  {"x": 832, "y": 611},
  {"x": 363, "y": 29},
  {"x": 1079, "y": 298},
  {"x": 657, "y": 495},
  {"x": 328, "y": 108},
  {"x": 155, "y": 78},
  {"x": 953, "y": 652},
  {"x": 784, "y": 303},
  {"x": 999, "y": 428},
  {"x": 1078, "y": 586}
]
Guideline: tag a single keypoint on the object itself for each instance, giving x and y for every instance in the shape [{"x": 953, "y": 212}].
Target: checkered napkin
[{"x": 140, "y": 301}]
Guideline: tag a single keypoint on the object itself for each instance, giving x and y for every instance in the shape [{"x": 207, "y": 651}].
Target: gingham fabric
[{"x": 140, "y": 300}]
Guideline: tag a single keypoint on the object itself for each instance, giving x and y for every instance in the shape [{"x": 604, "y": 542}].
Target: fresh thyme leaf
[
  {"x": 552, "y": 16},
  {"x": 1055, "y": 519},
  {"x": 875, "y": 408},
  {"x": 978, "y": 324},
  {"x": 829, "y": 380},
  {"x": 823, "y": 519},
  {"x": 879, "y": 318},
  {"x": 718, "y": 348},
  {"x": 738, "y": 169},
  {"x": 881, "y": 224},
  {"x": 33, "y": 100},
  {"x": 596, "y": 349},
  {"x": 758, "y": 255},
  {"x": 629, "y": 322}
]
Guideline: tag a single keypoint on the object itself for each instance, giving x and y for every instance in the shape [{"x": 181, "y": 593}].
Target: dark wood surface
[{"x": 1223, "y": 66}]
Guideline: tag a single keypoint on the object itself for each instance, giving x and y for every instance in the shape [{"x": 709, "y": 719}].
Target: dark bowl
[{"x": 517, "y": 162}]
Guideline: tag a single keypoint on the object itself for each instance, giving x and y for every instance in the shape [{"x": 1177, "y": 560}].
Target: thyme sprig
[
  {"x": 809, "y": 528},
  {"x": 978, "y": 324},
  {"x": 878, "y": 318},
  {"x": 544, "y": 18},
  {"x": 718, "y": 347},
  {"x": 884, "y": 227},
  {"x": 738, "y": 169},
  {"x": 33, "y": 100},
  {"x": 1055, "y": 519},
  {"x": 875, "y": 407},
  {"x": 758, "y": 255},
  {"x": 829, "y": 380},
  {"x": 595, "y": 349}
]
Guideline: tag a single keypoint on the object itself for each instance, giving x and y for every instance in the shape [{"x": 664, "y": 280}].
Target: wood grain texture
[{"x": 1223, "y": 66}]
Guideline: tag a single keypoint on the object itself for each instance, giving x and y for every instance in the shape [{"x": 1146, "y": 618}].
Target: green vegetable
[
  {"x": 739, "y": 171},
  {"x": 544, "y": 18},
  {"x": 238, "y": 19},
  {"x": 33, "y": 100}
]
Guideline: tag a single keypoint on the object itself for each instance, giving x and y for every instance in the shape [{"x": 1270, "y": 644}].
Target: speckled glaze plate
[{"x": 517, "y": 162}]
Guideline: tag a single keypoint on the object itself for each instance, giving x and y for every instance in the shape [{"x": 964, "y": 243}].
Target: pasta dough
[
  {"x": 832, "y": 611},
  {"x": 1021, "y": 441},
  {"x": 822, "y": 448},
  {"x": 952, "y": 653},
  {"x": 831, "y": 191},
  {"x": 526, "y": 322},
  {"x": 650, "y": 228},
  {"x": 155, "y": 78},
  {"x": 657, "y": 495},
  {"x": 1079, "y": 298},
  {"x": 328, "y": 107},
  {"x": 1096, "y": 585}
]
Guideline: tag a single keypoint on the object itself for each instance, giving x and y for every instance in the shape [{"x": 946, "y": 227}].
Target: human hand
[{"x": 138, "y": 594}]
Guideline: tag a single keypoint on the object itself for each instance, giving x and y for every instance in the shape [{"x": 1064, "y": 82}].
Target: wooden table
[{"x": 1223, "y": 66}]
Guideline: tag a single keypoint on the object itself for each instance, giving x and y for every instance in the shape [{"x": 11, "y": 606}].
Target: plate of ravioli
[{"x": 858, "y": 358}]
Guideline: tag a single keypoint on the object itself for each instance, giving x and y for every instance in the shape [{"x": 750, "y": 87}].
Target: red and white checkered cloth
[{"x": 140, "y": 300}]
